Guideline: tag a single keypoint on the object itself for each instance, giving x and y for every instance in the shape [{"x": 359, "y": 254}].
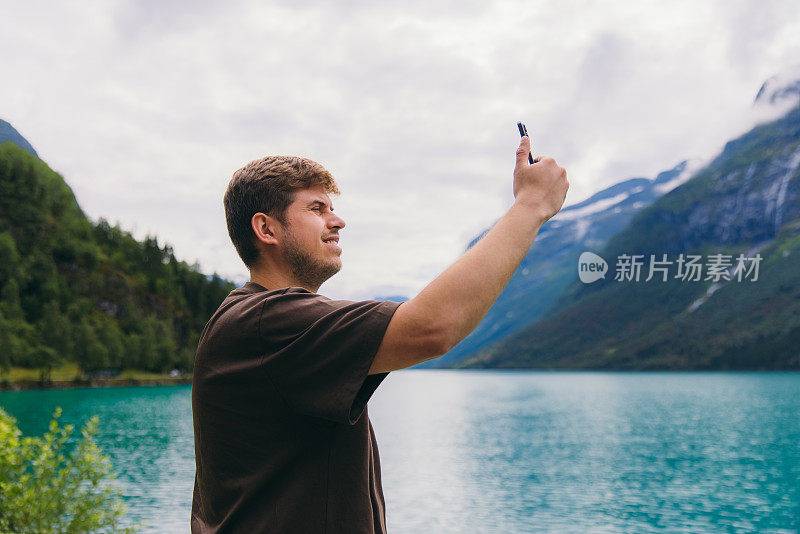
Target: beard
[{"x": 310, "y": 271}]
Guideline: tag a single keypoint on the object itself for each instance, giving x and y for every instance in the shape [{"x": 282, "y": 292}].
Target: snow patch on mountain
[
  {"x": 581, "y": 227},
  {"x": 690, "y": 169},
  {"x": 601, "y": 205}
]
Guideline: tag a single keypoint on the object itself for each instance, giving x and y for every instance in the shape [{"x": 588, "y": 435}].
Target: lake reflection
[{"x": 508, "y": 451}]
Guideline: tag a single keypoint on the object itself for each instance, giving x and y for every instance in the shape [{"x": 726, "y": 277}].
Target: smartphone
[{"x": 524, "y": 132}]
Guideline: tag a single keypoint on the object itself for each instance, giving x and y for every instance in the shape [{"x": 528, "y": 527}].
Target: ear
[{"x": 266, "y": 228}]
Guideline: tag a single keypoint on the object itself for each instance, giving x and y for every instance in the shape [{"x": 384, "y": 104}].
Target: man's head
[{"x": 280, "y": 206}]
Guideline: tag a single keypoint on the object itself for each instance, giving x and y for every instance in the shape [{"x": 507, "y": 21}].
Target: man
[{"x": 282, "y": 376}]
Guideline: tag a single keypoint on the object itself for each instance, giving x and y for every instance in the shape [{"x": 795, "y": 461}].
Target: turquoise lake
[{"x": 509, "y": 451}]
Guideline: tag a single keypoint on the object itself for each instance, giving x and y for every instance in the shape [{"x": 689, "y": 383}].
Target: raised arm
[{"x": 453, "y": 304}]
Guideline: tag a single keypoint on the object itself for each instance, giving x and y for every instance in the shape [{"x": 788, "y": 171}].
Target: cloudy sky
[{"x": 147, "y": 107}]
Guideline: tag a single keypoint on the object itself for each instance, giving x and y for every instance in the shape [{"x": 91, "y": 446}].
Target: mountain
[
  {"x": 745, "y": 202},
  {"x": 76, "y": 291},
  {"x": 549, "y": 267},
  {"x": 780, "y": 90},
  {"x": 395, "y": 298},
  {"x": 9, "y": 133}
]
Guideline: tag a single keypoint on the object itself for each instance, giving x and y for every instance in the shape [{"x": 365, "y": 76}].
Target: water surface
[{"x": 509, "y": 451}]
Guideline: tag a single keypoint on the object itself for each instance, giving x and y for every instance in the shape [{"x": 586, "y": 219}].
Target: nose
[{"x": 336, "y": 222}]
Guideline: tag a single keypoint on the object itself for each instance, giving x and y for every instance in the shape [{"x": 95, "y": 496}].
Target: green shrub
[{"x": 45, "y": 488}]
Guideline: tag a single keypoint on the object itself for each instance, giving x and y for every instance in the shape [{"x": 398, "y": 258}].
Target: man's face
[{"x": 311, "y": 236}]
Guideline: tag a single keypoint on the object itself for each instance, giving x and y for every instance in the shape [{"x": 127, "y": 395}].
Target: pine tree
[
  {"x": 55, "y": 331},
  {"x": 10, "y": 305},
  {"x": 90, "y": 354}
]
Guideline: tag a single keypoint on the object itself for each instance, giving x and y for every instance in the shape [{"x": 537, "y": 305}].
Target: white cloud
[{"x": 147, "y": 108}]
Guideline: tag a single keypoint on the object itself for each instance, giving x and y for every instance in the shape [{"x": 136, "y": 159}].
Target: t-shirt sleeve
[{"x": 319, "y": 351}]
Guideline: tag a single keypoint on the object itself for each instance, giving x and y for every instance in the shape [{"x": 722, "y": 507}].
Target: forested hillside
[{"x": 72, "y": 290}]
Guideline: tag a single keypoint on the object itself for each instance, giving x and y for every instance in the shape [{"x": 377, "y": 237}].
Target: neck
[{"x": 272, "y": 277}]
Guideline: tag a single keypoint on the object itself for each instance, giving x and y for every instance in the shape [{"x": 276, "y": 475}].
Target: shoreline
[
  {"x": 27, "y": 385},
  {"x": 30, "y": 384}
]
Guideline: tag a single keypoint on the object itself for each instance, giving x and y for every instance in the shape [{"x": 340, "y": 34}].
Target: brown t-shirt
[{"x": 283, "y": 441}]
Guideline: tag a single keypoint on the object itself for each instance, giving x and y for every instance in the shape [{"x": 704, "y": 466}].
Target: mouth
[{"x": 332, "y": 240}]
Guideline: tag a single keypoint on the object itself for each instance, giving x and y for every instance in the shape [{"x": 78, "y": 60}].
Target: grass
[
  {"x": 67, "y": 371},
  {"x": 70, "y": 371}
]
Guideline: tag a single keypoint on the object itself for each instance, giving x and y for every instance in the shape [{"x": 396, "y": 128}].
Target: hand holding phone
[
  {"x": 523, "y": 132},
  {"x": 542, "y": 188}
]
